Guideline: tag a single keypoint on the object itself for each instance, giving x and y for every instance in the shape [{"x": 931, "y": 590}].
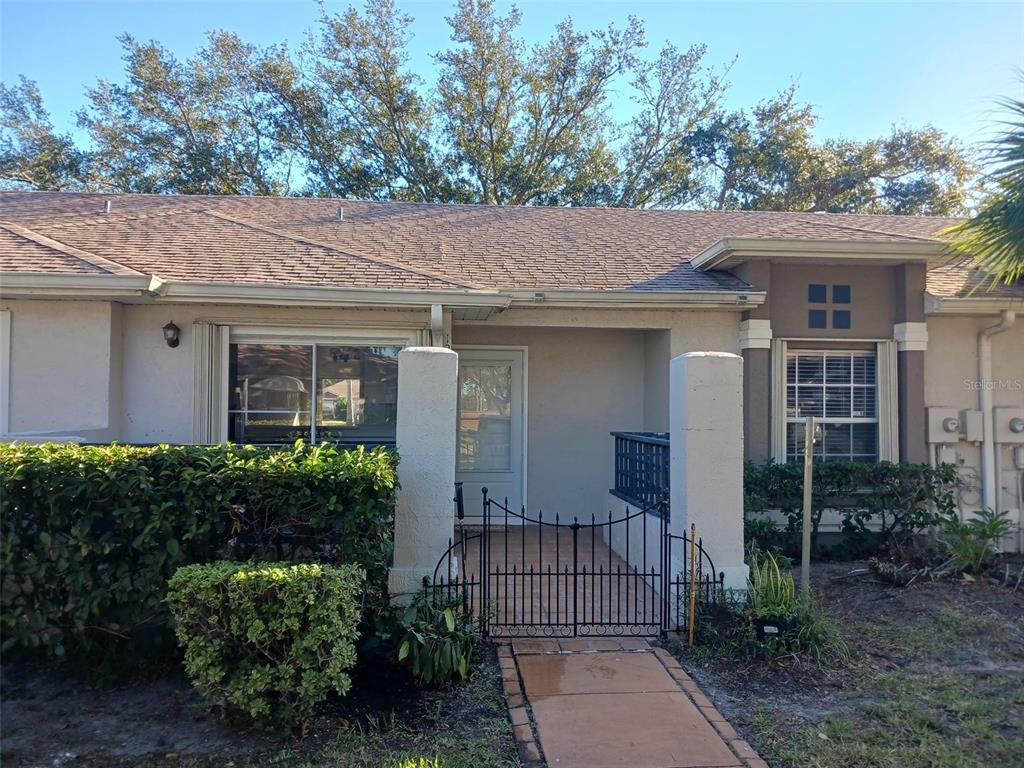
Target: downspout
[{"x": 989, "y": 479}]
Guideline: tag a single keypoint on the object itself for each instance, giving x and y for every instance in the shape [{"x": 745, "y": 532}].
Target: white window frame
[
  {"x": 887, "y": 408},
  {"x": 312, "y": 337},
  {"x": 824, "y": 385}
]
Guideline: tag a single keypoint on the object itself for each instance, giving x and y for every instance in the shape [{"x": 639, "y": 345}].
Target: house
[{"x": 201, "y": 319}]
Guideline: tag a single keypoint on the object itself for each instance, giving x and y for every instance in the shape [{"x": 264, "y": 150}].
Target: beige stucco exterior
[
  {"x": 99, "y": 370},
  {"x": 952, "y": 381}
]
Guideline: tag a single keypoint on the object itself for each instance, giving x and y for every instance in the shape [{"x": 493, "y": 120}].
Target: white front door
[{"x": 491, "y": 440}]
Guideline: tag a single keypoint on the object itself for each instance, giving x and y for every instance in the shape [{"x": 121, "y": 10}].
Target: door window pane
[
  {"x": 485, "y": 417},
  {"x": 357, "y": 394},
  {"x": 271, "y": 392}
]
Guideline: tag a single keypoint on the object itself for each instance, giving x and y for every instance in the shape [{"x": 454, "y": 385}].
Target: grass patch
[{"x": 935, "y": 678}]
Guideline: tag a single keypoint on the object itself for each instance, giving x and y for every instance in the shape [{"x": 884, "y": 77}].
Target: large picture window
[
  {"x": 840, "y": 389},
  {"x": 280, "y": 393}
]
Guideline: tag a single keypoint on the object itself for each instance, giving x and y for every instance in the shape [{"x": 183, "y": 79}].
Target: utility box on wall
[
  {"x": 943, "y": 426},
  {"x": 1008, "y": 425},
  {"x": 972, "y": 426}
]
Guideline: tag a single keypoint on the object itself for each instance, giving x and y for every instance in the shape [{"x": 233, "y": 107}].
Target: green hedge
[
  {"x": 881, "y": 504},
  {"x": 90, "y": 535},
  {"x": 268, "y": 641}
]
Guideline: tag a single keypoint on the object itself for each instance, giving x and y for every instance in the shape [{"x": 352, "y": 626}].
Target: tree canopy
[{"x": 501, "y": 122}]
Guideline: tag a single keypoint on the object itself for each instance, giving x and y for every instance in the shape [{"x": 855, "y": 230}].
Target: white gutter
[
  {"x": 14, "y": 284},
  {"x": 154, "y": 289},
  {"x": 990, "y": 480},
  {"x": 625, "y": 299},
  {"x": 971, "y": 305},
  {"x": 730, "y": 251}
]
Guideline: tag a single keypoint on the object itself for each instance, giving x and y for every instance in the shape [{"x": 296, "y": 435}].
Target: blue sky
[{"x": 865, "y": 66}]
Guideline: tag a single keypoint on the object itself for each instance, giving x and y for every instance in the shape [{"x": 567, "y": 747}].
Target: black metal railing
[
  {"x": 527, "y": 575},
  {"x": 641, "y": 468}
]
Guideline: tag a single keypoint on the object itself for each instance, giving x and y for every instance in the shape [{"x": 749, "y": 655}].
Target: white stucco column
[
  {"x": 706, "y": 431},
  {"x": 425, "y": 514}
]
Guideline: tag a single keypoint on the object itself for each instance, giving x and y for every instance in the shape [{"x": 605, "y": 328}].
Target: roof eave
[
  {"x": 729, "y": 252},
  {"x": 637, "y": 299},
  {"x": 72, "y": 286},
  {"x": 151, "y": 288},
  {"x": 970, "y": 305}
]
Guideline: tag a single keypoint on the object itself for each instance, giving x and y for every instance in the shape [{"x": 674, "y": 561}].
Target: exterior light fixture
[{"x": 172, "y": 335}]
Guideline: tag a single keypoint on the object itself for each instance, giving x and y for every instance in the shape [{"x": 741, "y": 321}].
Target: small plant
[
  {"x": 816, "y": 632},
  {"x": 420, "y": 762},
  {"x": 264, "y": 640},
  {"x": 972, "y": 545},
  {"x": 439, "y": 636},
  {"x": 771, "y": 593}
]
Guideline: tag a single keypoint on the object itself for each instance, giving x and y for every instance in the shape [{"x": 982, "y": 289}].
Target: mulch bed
[{"x": 52, "y": 717}]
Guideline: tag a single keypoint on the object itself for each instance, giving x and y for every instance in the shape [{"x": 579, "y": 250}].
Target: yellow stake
[{"x": 693, "y": 586}]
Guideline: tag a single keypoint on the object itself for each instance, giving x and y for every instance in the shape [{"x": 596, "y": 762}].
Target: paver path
[{"x": 606, "y": 703}]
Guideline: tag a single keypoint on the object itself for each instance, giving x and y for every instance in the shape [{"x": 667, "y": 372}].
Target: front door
[{"x": 490, "y": 451}]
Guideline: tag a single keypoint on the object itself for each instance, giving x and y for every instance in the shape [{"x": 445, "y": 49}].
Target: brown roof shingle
[{"x": 301, "y": 241}]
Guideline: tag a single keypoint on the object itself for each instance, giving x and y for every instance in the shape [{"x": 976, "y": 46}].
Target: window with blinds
[{"x": 840, "y": 389}]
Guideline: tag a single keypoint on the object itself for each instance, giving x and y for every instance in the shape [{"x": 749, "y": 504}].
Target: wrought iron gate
[{"x": 526, "y": 576}]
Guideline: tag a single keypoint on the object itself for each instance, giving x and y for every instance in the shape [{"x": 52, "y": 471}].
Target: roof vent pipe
[
  {"x": 106, "y": 206},
  {"x": 341, "y": 213}
]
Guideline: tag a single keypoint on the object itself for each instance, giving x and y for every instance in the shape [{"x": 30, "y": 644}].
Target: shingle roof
[
  {"x": 958, "y": 280},
  {"x": 301, "y": 241}
]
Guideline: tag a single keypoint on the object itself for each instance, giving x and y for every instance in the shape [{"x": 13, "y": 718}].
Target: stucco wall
[
  {"x": 586, "y": 381},
  {"x": 157, "y": 397},
  {"x": 581, "y": 385},
  {"x": 951, "y": 375},
  {"x": 65, "y": 368}
]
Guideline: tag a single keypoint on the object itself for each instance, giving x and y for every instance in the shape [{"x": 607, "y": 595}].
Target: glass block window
[
  {"x": 840, "y": 389},
  {"x": 817, "y": 293}
]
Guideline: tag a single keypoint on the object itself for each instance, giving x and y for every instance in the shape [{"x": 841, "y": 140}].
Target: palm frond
[{"x": 994, "y": 239}]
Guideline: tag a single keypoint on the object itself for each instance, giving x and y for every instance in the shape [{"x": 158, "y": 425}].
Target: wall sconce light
[{"x": 172, "y": 335}]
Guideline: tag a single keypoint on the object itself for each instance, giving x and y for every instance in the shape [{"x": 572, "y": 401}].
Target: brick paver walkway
[{"x": 607, "y": 703}]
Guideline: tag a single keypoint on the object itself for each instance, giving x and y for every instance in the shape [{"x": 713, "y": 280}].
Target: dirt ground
[
  {"x": 935, "y": 677},
  {"x": 52, "y": 719}
]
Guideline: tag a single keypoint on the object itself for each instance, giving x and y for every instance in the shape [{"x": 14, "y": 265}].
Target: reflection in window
[
  {"x": 358, "y": 393},
  {"x": 273, "y": 388},
  {"x": 485, "y": 418}
]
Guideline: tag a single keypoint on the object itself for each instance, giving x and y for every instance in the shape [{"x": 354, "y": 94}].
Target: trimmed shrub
[
  {"x": 881, "y": 504},
  {"x": 89, "y": 535},
  {"x": 269, "y": 641}
]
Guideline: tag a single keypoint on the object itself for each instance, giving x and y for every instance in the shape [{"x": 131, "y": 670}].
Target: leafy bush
[
  {"x": 770, "y": 592},
  {"x": 972, "y": 544},
  {"x": 89, "y": 535},
  {"x": 439, "y": 636},
  {"x": 881, "y": 504},
  {"x": 269, "y": 641}
]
